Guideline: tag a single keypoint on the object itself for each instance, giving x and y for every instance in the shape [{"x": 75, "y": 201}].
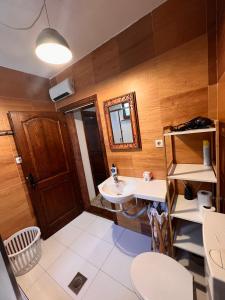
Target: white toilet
[{"x": 156, "y": 276}]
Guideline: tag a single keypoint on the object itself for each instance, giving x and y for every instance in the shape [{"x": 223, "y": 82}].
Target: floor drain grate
[{"x": 77, "y": 283}]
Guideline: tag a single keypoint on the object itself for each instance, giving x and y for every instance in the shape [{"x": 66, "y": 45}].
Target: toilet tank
[{"x": 214, "y": 244}]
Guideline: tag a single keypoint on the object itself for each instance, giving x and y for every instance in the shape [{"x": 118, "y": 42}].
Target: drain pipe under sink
[
  {"x": 135, "y": 215},
  {"x": 125, "y": 212}
]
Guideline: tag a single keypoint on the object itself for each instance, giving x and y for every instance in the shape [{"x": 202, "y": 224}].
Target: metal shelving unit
[{"x": 185, "y": 220}]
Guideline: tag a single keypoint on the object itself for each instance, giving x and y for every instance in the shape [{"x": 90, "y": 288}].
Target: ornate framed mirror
[{"x": 122, "y": 123}]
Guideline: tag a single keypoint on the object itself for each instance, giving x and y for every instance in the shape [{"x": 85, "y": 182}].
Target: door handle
[{"x": 31, "y": 181}]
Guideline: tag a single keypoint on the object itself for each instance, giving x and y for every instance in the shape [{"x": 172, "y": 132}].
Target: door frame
[
  {"x": 88, "y": 148},
  {"x": 79, "y": 164}
]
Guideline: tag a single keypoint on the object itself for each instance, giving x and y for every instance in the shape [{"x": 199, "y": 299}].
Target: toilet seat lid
[{"x": 156, "y": 276}]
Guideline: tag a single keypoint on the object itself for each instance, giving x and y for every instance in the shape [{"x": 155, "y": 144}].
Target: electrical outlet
[
  {"x": 19, "y": 160},
  {"x": 159, "y": 143}
]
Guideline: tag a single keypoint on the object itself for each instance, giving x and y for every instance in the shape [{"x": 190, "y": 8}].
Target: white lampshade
[{"x": 52, "y": 48}]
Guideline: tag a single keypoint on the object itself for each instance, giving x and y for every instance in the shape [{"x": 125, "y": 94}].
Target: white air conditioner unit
[{"x": 62, "y": 90}]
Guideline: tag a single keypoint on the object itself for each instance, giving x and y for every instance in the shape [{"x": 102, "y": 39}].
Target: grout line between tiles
[
  {"x": 84, "y": 231},
  {"x": 99, "y": 269},
  {"x": 107, "y": 258},
  {"x": 101, "y": 239},
  {"x": 61, "y": 287},
  {"x": 120, "y": 283},
  {"x": 91, "y": 284},
  {"x": 117, "y": 281},
  {"x": 91, "y": 281},
  {"x": 44, "y": 271},
  {"x": 68, "y": 246},
  {"x": 56, "y": 257},
  {"x": 91, "y": 263}
]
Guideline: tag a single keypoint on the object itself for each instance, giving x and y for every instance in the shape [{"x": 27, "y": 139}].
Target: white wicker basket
[{"x": 24, "y": 249}]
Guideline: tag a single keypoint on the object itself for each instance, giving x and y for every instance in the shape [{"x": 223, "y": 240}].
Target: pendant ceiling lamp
[{"x": 51, "y": 47}]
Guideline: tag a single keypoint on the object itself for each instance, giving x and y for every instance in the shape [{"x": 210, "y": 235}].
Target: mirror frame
[{"x": 131, "y": 99}]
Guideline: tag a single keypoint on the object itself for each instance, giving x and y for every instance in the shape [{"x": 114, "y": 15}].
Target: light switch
[{"x": 159, "y": 143}]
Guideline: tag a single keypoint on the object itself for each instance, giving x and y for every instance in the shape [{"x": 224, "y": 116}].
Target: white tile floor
[{"x": 93, "y": 246}]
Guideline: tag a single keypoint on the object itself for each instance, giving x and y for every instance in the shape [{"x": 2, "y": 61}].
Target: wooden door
[
  {"x": 94, "y": 146},
  {"x": 43, "y": 142}
]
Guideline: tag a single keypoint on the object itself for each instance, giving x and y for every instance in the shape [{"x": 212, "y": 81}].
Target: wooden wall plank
[
  {"x": 15, "y": 212},
  {"x": 221, "y": 98},
  {"x": 136, "y": 43},
  {"x": 154, "y": 84},
  {"x": 84, "y": 73},
  {"x": 163, "y": 58},
  {"x": 183, "y": 69},
  {"x": 182, "y": 107},
  {"x": 216, "y": 90},
  {"x": 153, "y": 57},
  {"x": 17, "y": 84},
  {"x": 221, "y": 58},
  {"x": 106, "y": 61},
  {"x": 221, "y": 37},
  {"x": 213, "y": 101},
  {"x": 176, "y": 22},
  {"x": 212, "y": 40},
  {"x": 170, "y": 88},
  {"x": 18, "y": 92}
]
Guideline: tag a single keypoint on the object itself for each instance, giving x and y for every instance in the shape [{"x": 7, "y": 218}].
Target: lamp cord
[
  {"x": 33, "y": 23},
  {"x": 46, "y": 11}
]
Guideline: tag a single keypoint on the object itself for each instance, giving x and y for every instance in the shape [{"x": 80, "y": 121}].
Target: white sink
[
  {"x": 130, "y": 187},
  {"x": 120, "y": 192}
]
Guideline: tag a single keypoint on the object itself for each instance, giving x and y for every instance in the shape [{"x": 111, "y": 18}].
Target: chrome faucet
[
  {"x": 115, "y": 178},
  {"x": 114, "y": 173}
]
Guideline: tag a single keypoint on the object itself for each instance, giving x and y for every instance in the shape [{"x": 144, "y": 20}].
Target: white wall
[{"x": 84, "y": 154}]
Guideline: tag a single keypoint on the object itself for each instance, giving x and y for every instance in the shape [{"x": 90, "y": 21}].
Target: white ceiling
[{"x": 86, "y": 24}]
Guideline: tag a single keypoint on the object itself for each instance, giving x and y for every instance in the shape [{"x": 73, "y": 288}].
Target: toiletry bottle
[
  {"x": 206, "y": 153},
  {"x": 113, "y": 170},
  {"x": 188, "y": 192}
]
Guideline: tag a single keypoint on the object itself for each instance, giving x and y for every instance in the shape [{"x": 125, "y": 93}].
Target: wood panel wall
[
  {"x": 163, "y": 58},
  {"x": 212, "y": 58},
  {"x": 216, "y": 58},
  {"x": 221, "y": 90},
  {"x": 221, "y": 58},
  {"x": 18, "y": 92}
]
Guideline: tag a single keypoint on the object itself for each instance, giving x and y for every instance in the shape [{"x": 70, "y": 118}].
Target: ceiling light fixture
[{"x": 51, "y": 47}]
